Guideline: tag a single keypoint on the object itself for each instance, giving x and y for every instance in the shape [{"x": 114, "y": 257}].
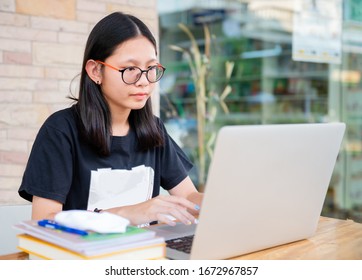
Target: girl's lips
[{"x": 139, "y": 96}]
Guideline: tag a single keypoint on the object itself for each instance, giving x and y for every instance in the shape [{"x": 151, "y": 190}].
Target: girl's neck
[{"x": 120, "y": 124}]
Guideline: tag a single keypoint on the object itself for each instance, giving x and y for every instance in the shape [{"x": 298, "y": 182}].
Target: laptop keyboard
[{"x": 181, "y": 244}]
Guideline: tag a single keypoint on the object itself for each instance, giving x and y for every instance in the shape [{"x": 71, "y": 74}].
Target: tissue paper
[{"x": 103, "y": 222}]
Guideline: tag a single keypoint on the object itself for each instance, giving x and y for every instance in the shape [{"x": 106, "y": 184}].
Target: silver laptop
[{"x": 266, "y": 187}]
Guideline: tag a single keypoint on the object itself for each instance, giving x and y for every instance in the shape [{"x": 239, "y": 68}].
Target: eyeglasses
[{"x": 131, "y": 75}]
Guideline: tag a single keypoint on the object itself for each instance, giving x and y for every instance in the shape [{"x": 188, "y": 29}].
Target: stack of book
[{"x": 46, "y": 243}]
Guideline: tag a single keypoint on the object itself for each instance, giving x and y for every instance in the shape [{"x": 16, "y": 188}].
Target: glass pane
[{"x": 267, "y": 85}]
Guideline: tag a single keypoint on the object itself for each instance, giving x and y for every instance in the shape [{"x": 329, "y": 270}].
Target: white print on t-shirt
[{"x": 119, "y": 187}]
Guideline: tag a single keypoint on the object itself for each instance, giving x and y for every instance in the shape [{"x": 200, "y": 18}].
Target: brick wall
[{"x": 41, "y": 49}]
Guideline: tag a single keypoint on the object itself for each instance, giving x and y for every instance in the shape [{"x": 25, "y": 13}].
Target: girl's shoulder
[
  {"x": 63, "y": 115},
  {"x": 62, "y": 120},
  {"x": 159, "y": 122}
]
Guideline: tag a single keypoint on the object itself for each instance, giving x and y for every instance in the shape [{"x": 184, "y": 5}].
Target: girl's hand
[{"x": 160, "y": 209}]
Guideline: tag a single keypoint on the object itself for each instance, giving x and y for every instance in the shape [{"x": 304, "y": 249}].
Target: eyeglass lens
[{"x": 133, "y": 74}]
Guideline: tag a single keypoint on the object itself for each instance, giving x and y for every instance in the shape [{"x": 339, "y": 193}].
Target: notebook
[{"x": 266, "y": 186}]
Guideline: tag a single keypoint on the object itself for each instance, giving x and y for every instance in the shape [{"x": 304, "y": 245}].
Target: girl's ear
[{"x": 94, "y": 71}]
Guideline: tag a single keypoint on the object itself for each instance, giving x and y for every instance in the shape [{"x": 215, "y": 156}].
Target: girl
[{"x": 108, "y": 152}]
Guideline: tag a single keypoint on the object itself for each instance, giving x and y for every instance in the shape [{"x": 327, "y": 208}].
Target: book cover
[
  {"x": 153, "y": 248},
  {"x": 81, "y": 244}
]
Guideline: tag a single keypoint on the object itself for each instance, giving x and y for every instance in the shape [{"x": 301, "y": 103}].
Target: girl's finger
[
  {"x": 181, "y": 201},
  {"x": 167, "y": 219}
]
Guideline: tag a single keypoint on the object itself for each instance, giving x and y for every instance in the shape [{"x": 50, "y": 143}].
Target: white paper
[{"x": 119, "y": 187}]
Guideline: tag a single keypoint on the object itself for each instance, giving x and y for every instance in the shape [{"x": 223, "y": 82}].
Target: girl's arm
[
  {"x": 187, "y": 189},
  {"x": 43, "y": 208},
  {"x": 183, "y": 204}
]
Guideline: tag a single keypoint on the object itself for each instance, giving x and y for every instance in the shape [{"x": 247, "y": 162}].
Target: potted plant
[{"x": 209, "y": 103}]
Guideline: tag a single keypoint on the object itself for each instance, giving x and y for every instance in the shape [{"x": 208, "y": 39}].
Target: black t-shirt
[{"x": 61, "y": 167}]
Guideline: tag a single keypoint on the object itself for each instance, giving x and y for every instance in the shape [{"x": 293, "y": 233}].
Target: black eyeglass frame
[{"x": 142, "y": 71}]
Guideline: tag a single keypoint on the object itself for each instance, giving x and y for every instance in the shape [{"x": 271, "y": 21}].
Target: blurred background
[{"x": 294, "y": 62}]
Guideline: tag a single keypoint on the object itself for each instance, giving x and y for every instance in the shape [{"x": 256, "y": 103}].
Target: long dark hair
[{"x": 92, "y": 108}]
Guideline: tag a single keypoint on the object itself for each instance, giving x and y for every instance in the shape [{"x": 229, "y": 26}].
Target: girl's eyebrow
[{"x": 135, "y": 61}]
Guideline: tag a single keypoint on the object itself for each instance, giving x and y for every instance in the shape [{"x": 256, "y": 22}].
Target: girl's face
[{"x": 120, "y": 96}]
